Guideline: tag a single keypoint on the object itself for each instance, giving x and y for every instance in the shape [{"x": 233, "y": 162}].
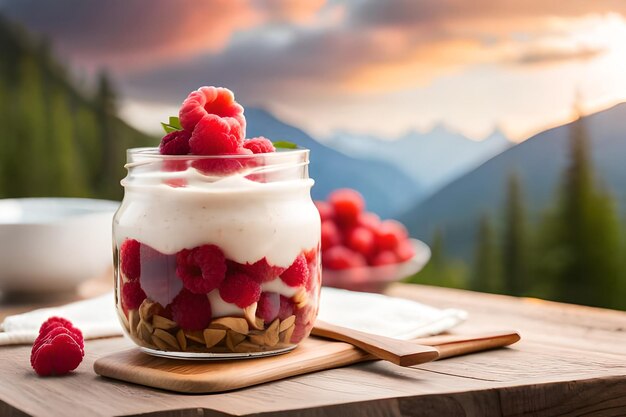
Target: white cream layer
[{"x": 246, "y": 219}]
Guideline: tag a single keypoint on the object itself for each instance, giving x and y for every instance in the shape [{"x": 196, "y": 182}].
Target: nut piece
[
  {"x": 285, "y": 324},
  {"x": 160, "y": 343},
  {"x": 161, "y": 322},
  {"x": 144, "y": 330},
  {"x": 133, "y": 321},
  {"x": 166, "y": 337},
  {"x": 195, "y": 335},
  {"x": 301, "y": 298},
  {"x": 250, "y": 315},
  {"x": 149, "y": 308},
  {"x": 213, "y": 336},
  {"x": 258, "y": 338},
  {"x": 182, "y": 340},
  {"x": 233, "y": 339},
  {"x": 285, "y": 336},
  {"x": 237, "y": 324},
  {"x": 271, "y": 334}
]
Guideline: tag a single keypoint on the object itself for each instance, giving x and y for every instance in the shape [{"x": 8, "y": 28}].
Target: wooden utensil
[
  {"x": 400, "y": 352},
  {"x": 313, "y": 354}
]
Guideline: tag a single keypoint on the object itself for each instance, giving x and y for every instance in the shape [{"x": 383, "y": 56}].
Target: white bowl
[
  {"x": 50, "y": 245},
  {"x": 377, "y": 278}
]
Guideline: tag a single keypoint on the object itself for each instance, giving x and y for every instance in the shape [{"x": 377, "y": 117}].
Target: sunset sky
[{"x": 366, "y": 66}]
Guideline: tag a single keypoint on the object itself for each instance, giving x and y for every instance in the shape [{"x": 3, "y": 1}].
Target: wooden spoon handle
[
  {"x": 454, "y": 345},
  {"x": 400, "y": 352}
]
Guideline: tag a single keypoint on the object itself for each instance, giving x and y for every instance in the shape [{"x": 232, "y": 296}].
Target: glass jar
[{"x": 217, "y": 256}]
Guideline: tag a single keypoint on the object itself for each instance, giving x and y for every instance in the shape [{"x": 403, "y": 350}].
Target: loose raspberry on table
[
  {"x": 215, "y": 135},
  {"x": 130, "y": 262},
  {"x": 210, "y": 101},
  {"x": 54, "y": 322},
  {"x": 361, "y": 240},
  {"x": 325, "y": 209},
  {"x": 268, "y": 306},
  {"x": 259, "y": 145},
  {"x": 132, "y": 295},
  {"x": 297, "y": 274},
  {"x": 347, "y": 204},
  {"x": 262, "y": 271},
  {"x": 175, "y": 143},
  {"x": 58, "y": 349},
  {"x": 191, "y": 311},
  {"x": 340, "y": 257},
  {"x": 240, "y": 289},
  {"x": 390, "y": 234},
  {"x": 56, "y": 355},
  {"x": 201, "y": 269}
]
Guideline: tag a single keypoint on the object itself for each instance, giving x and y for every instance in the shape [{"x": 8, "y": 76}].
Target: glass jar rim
[{"x": 153, "y": 153}]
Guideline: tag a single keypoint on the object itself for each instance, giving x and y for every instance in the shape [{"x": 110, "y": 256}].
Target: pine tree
[
  {"x": 514, "y": 242},
  {"x": 440, "y": 270},
  {"x": 487, "y": 271},
  {"x": 105, "y": 109},
  {"x": 582, "y": 244}
]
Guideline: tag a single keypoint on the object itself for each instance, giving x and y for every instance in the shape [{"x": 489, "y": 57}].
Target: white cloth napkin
[{"x": 374, "y": 313}]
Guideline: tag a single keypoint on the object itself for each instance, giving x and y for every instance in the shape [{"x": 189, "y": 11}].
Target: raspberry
[
  {"x": 361, "y": 240},
  {"x": 303, "y": 324},
  {"x": 385, "y": 257},
  {"x": 286, "y": 308},
  {"x": 176, "y": 182},
  {"x": 214, "y": 135},
  {"x": 390, "y": 234},
  {"x": 223, "y": 166},
  {"x": 132, "y": 295},
  {"x": 158, "y": 275},
  {"x": 175, "y": 143},
  {"x": 348, "y": 204},
  {"x": 129, "y": 259},
  {"x": 43, "y": 338},
  {"x": 325, "y": 209},
  {"x": 262, "y": 271},
  {"x": 297, "y": 274},
  {"x": 191, "y": 311},
  {"x": 201, "y": 269},
  {"x": 268, "y": 306},
  {"x": 55, "y": 322},
  {"x": 58, "y": 354},
  {"x": 330, "y": 234},
  {"x": 240, "y": 289},
  {"x": 404, "y": 251},
  {"x": 259, "y": 145},
  {"x": 210, "y": 101},
  {"x": 340, "y": 257},
  {"x": 369, "y": 220}
]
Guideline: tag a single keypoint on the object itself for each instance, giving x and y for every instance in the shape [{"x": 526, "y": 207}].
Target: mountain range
[
  {"x": 539, "y": 162},
  {"x": 387, "y": 190},
  {"x": 431, "y": 158}
]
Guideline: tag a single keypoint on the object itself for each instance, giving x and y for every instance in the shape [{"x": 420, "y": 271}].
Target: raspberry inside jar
[{"x": 217, "y": 256}]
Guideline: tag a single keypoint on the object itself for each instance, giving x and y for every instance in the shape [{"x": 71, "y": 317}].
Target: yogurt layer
[{"x": 248, "y": 220}]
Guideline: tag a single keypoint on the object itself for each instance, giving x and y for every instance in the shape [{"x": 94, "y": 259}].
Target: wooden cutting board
[{"x": 312, "y": 355}]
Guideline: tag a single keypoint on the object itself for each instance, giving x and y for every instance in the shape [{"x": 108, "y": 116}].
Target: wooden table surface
[{"x": 571, "y": 361}]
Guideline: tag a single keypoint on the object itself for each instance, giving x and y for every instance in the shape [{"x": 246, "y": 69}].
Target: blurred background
[{"x": 494, "y": 130}]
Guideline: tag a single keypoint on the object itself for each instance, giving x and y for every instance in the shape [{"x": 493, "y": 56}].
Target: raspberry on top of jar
[{"x": 218, "y": 237}]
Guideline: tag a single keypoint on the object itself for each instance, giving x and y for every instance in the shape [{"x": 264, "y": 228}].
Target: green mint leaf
[
  {"x": 175, "y": 122},
  {"x": 168, "y": 128},
  {"x": 282, "y": 144}
]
